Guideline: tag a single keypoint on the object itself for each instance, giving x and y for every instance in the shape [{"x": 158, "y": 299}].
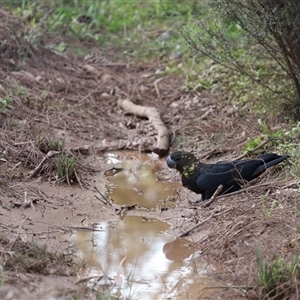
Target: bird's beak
[{"x": 171, "y": 163}]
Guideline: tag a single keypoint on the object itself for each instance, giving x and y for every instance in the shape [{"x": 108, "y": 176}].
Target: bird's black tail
[{"x": 268, "y": 161}]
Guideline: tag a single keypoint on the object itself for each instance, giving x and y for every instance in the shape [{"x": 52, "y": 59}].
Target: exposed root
[{"x": 162, "y": 145}]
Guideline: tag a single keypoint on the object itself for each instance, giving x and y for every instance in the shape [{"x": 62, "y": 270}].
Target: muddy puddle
[
  {"x": 134, "y": 181},
  {"x": 134, "y": 258}
]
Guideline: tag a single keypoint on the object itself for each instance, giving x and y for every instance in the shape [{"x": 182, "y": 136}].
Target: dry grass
[{"x": 28, "y": 257}]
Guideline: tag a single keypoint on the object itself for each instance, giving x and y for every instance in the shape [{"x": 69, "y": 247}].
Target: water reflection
[
  {"x": 178, "y": 249},
  {"x": 134, "y": 181},
  {"x": 139, "y": 258},
  {"x": 134, "y": 258}
]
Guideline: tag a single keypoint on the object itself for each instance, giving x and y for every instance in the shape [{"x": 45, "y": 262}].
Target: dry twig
[
  {"x": 247, "y": 189},
  {"x": 18, "y": 233},
  {"x": 214, "y": 214},
  {"x": 214, "y": 196},
  {"x": 156, "y": 86},
  {"x": 50, "y": 154},
  {"x": 85, "y": 279},
  {"x": 106, "y": 200},
  {"x": 26, "y": 202}
]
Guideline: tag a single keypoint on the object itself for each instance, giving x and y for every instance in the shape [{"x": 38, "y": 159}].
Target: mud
[{"x": 54, "y": 95}]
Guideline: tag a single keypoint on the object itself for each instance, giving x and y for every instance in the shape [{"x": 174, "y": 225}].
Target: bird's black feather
[{"x": 204, "y": 179}]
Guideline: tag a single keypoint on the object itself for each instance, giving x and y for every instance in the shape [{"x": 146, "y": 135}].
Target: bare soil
[{"x": 62, "y": 96}]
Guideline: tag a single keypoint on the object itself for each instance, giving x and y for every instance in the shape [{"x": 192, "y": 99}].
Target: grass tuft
[
  {"x": 32, "y": 258},
  {"x": 4, "y": 102},
  {"x": 66, "y": 168},
  {"x": 277, "y": 279},
  {"x": 45, "y": 146}
]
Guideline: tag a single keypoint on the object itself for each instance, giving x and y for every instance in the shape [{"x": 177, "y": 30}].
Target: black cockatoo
[{"x": 204, "y": 179}]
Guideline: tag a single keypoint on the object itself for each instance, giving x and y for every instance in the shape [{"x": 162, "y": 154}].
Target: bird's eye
[{"x": 176, "y": 158}]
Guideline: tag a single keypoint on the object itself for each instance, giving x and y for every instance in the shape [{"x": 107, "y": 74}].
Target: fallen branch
[
  {"x": 249, "y": 188},
  {"x": 214, "y": 196},
  {"x": 253, "y": 187},
  {"x": 40, "y": 165},
  {"x": 162, "y": 145},
  {"x": 214, "y": 214}
]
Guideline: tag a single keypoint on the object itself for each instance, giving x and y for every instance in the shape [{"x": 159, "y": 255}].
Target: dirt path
[{"x": 50, "y": 96}]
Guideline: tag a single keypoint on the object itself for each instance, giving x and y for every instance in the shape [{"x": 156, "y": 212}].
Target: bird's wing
[
  {"x": 230, "y": 174},
  {"x": 247, "y": 170},
  {"x": 250, "y": 169},
  {"x": 212, "y": 176}
]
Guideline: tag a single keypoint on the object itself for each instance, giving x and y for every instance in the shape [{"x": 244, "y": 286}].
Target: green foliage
[
  {"x": 45, "y": 146},
  {"x": 66, "y": 168},
  {"x": 276, "y": 277},
  {"x": 4, "y": 102},
  {"x": 242, "y": 70},
  {"x": 267, "y": 213},
  {"x": 250, "y": 61},
  {"x": 59, "y": 47},
  {"x": 57, "y": 145},
  {"x": 284, "y": 139},
  {"x": 19, "y": 90},
  {"x": 269, "y": 137},
  {"x": 125, "y": 24}
]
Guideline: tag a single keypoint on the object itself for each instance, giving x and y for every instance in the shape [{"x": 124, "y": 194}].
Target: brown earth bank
[{"x": 52, "y": 97}]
